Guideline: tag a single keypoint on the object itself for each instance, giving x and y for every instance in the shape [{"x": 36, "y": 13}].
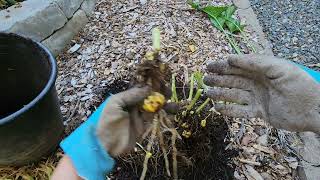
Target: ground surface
[
  {"x": 104, "y": 54},
  {"x": 292, "y": 26}
]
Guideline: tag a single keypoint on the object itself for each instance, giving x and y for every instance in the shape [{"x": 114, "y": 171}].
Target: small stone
[
  {"x": 74, "y": 48},
  {"x": 107, "y": 43},
  {"x": 310, "y": 40},
  {"x": 73, "y": 81},
  {"x": 143, "y": 2},
  {"x": 106, "y": 72},
  {"x": 294, "y": 39},
  {"x": 294, "y": 55}
]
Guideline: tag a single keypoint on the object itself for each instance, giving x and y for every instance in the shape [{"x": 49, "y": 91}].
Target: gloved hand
[
  {"x": 122, "y": 122},
  {"x": 111, "y": 129},
  {"x": 90, "y": 160},
  {"x": 273, "y": 89}
]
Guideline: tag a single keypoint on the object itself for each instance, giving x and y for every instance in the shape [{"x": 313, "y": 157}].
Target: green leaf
[
  {"x": 230, "y": 11},
  {"x": 217, "y": 22},
  {"x": 234, "y": 25},
  {"x": 214, "y": 11}
]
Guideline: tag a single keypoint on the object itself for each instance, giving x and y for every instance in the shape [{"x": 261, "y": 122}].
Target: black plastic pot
[{"x": 30, "y": 118}]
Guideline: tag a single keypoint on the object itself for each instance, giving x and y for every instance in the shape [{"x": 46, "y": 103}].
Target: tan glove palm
[
  {"x": 266, "y": 87},
  {"x": 122, "y": 122}
]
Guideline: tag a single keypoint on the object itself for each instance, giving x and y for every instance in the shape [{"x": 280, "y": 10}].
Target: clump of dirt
[{"x": 201, "y": 156}]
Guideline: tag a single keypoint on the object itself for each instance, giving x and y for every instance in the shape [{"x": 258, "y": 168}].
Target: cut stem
[
  {"x": 191, "y": 87},
  {"x": 195, "y": 99},
  {"x": 243, "y": 36},
  {"x": 174, "y": 97},
  {"x": 202, "y": 105},
  {"x": 231, "y": 40},
  {"x": 156, "y": 39}
]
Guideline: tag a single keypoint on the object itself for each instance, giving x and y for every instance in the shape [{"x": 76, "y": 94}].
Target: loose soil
[{"x": 202, "y": 156}]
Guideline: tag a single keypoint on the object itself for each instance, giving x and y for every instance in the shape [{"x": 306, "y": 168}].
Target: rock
[
  {"x": 69, "y": 7},
  {"x": 36, "y": 19},
  {"x": 74, "y": 48},
  {"x": 263, "y": 140},
  {"x": 88, "y": 7},
  {"x": 61, "y": 38},
  {"x": 107, "y": 43}
]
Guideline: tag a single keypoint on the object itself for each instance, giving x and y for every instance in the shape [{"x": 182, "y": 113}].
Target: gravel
[{"x": 292, "y": 26}]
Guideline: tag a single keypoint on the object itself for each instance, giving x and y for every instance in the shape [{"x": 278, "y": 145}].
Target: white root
[
  {"x": 155, "y": 126},
  {"x": 162, "y": 145},
  {"x": 161, "y": 119},
  {"x": 174, "y": 154}
]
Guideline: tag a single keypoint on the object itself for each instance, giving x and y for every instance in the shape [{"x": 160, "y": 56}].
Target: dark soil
[{"x": 201, "y": 156}]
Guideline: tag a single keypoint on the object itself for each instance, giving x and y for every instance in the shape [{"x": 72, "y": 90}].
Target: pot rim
[{"x": 44, "y": 91}]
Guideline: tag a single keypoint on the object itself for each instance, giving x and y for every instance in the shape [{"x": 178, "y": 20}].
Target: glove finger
[
  {"x": 253, "y": 62},
  {"x": 114, "y": 135},
  {"x": 136, "y": 122},
  {"x": 223, "y": 67},
  {"x": 230, "y": 95},
  {"x": 267, "y": 65},
  {"x": 234, "y": 110},
  {"x": 132, "y": 96},
  {"x": 228, "y": 81}
]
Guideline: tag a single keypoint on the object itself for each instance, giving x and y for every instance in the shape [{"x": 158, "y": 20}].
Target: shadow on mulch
[{"x": 204, "y": 154}]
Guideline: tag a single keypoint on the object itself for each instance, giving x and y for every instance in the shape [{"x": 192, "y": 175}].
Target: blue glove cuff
[
  {"x": 312, "y": 73},
  {"x": 88, "y": 156}
]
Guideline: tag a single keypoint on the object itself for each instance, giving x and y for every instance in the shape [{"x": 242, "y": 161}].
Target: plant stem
[
  {"x": 243, "y": 36},
  {"x": 195, "y": 99},
  {"x": 156, "y": 39},
  {"x": 191, "y": 87},
  {"x": 202, "y": 105},
  {"x": 231, "y": 41},
  {"x": 174, "y": 97}
]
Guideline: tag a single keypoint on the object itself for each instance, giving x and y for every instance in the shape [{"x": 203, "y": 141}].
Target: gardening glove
[
  {"x": 276, "y": 90},
  {"x": 88, "y": 156},
  {"x": 111, "y": 129},
  {"x": 122, "y": 122}
]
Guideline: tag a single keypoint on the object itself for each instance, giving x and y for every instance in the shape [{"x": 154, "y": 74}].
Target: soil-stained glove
[
  {"x": 273, "y": 89},
  {"x": 122, "y": 122},
  {"x": 90, "y": 159}
]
